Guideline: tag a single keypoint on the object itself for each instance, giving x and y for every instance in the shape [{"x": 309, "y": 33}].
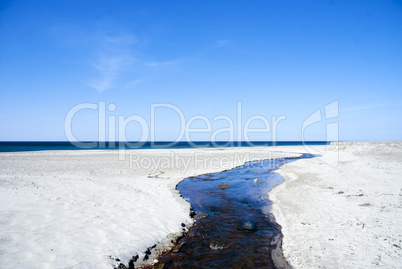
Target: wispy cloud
[
  {"x": 229, "y": 44},
  {"x": 117, "y": 62},
  {"x": 157, "y": 64},
  {"x": 123, "y": 39},
  {"x": 132, "y": 83},
  {"x": 136, "y": 81},
  {"x": 108, "y": 68},
  {"x": 222, "y": 43},
  {"x": 114, "y": 56}
]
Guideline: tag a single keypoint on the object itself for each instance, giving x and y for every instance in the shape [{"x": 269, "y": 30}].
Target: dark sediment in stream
[{"x": 233, "y": 227}]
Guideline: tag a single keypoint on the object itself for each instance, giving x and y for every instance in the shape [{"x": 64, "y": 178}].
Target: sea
[{"x": 15, "y": 146}]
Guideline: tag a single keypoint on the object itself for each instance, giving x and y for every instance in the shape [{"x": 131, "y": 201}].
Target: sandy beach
[
  {"x": 344, "y": 209},
  {"x": 90, "y": 209}
]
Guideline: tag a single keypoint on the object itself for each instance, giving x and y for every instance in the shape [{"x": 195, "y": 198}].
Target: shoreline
[{"x": 77, "y": 197}]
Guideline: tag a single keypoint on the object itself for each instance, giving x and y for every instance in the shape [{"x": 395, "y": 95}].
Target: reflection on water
[{"x": 233, "y": 227}]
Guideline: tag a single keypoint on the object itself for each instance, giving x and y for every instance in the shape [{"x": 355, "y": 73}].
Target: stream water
[{"x": 233, "y": 227}]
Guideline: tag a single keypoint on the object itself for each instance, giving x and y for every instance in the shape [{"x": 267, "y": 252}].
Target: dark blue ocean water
[{"x": 13, "y": 146}]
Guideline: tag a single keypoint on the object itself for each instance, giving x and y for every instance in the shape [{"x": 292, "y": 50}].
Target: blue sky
[{"x": 278, "y": 58}]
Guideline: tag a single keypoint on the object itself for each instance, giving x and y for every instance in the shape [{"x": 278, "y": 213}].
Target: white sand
[
  {"x": 348, "y": 216},
  {"x": 84, "y": 209}
]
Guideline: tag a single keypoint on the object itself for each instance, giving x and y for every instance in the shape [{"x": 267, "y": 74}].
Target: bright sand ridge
[
  {"x": 344, "y": 209},
  {"x": 84, "y": 209}
]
